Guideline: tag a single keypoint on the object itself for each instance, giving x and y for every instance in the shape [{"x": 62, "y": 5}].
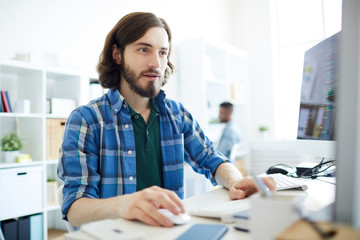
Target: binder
[
  {"x": 10, "y": 229},
  {"x": 24, "y": 228},
  {"x": 36, "y": 226}
]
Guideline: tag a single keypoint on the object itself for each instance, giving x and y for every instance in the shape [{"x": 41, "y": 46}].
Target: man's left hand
[{"x": 246, "y": 187}]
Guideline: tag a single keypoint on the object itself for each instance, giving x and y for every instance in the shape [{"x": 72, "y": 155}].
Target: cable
[{"x": 317, "y": 169}]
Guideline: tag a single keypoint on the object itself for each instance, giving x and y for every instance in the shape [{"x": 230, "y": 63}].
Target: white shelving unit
[
  {"x": 37, "y": 84},
  {"x": 211, "y": 73}
]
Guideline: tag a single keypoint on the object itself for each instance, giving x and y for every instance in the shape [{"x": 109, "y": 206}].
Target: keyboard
[{"x": 284, "y": 182}]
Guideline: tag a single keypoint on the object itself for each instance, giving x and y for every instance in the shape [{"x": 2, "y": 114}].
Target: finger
[
  {"x": 270, "y": 182},
  {"x": 140, "y": 215},
  {"x": 152, "y": 212},
  {"x": 236, "y": 194},
  {"x": 246, "y": 185},
  {"x": 164, "y": 199},
  {"x": 172, "y": 195},
  {"x": 175, "y": 198}
]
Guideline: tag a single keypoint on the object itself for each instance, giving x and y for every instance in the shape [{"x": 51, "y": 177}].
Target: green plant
[
  {"x": 11, "y": 142},
  {"x": 263, "y": 128}
]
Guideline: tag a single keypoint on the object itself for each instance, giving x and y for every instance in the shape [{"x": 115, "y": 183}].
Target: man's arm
[
  {"x": 228, "y": 176},
  {"x": 141, "y": 205}
]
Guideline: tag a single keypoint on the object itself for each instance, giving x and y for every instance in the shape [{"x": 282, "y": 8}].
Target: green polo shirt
[{"x": 149, "y": 167}]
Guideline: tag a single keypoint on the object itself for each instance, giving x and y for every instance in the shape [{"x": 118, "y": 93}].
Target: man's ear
[{"x": 116, "y": 54}]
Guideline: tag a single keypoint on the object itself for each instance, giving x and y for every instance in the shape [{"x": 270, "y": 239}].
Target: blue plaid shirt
[{"x": 98, "y": 158}]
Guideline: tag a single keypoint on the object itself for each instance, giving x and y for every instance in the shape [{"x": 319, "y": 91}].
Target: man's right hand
[{"x": 144, "y": 205}]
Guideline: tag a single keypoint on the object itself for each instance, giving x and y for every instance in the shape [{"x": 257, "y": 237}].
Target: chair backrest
[{"x": 69, "y": 227}]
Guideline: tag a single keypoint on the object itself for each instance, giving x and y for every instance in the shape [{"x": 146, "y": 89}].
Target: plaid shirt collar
[{"x": 117, "y": 101}]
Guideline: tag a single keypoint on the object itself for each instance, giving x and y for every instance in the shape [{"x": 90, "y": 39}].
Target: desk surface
[{"x": 319, "y": 195}]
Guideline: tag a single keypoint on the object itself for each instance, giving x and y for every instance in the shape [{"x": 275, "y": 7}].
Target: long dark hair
[{"x": 130, "y": 28}]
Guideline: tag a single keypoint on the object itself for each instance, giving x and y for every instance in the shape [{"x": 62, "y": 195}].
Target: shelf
[
  {"x": 18, "y": 165},
  {"x": 12, "y": 66},
  {"x": 51, "y": 162},
  {"x": 49, "y": 115},
  {"x": 52, "y": 207},
  {"x": 36, "y": 84},
  {"x": 21, "y": 115}
]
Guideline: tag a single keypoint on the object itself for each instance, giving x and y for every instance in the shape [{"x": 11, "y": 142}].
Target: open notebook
[{"x": 226, "y": 210}]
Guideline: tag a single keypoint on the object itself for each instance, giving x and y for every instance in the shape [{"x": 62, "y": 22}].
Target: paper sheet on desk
[
  {"x": 109, "y": 229},
  {"x": 216, "y": 204}
]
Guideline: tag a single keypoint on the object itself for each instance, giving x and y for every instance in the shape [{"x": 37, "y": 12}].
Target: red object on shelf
[{"x": 5, "y": 102}]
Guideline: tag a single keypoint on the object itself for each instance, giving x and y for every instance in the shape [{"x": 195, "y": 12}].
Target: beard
[{"x": 150, "y": 90}]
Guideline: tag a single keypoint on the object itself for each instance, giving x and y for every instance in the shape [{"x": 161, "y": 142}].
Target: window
[{"x": 298, "y": 25}]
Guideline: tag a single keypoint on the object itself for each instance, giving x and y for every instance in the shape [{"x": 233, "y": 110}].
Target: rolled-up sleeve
[{"x": 78, "y": 162}]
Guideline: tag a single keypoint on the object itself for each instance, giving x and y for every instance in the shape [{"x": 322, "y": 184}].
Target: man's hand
[
  {"x": 144, "y": 205},
  {"x": 246, "y": 187}
]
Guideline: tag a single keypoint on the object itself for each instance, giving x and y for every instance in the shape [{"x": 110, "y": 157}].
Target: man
[
  {"x": 122, "y": 154},
  {"x": 230, "y": 135}
]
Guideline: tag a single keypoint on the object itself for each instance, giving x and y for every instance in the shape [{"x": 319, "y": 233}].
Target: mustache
[{"x": 152, "y": 71}]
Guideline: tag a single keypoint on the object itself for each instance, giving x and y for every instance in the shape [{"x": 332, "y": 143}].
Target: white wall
[
  {"x": 253, "y": 34},
  {"x": 76, "y": 30}
]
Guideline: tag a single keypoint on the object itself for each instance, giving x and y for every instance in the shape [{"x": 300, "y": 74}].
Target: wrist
[{"x": 117, "y": 207}]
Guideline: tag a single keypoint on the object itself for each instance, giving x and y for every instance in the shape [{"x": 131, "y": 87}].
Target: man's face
[
  {"x": 224, "y": 114},
  {"x": 144, "y": 62}
]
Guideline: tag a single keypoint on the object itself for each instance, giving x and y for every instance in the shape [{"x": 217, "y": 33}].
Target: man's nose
[{"x": 154, "y": 61}]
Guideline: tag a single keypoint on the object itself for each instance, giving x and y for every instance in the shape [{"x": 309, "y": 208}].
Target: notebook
[{"x": 226, "y": 210}]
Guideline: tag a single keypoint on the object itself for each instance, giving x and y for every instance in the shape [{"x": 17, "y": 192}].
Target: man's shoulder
[
  {"x": 231, "y": 127},
  {"x": 90, "y": 109},
  {"x": 173, "y": 103}
]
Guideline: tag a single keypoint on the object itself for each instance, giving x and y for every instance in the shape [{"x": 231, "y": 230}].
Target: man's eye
[
  {"x": 143, "y": 50},
  {"x": 163, "y": 53}
]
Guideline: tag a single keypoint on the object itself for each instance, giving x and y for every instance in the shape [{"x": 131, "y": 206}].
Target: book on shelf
[
  {"x": 5, "y": 104},
  {"x": 8, "y": 100}
]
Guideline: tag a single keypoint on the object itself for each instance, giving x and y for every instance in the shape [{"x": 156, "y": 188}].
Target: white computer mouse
[{"x": 180, "y": 219}]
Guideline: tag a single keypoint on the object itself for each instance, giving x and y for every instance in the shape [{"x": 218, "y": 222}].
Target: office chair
[{"x": 69, "y": 227}]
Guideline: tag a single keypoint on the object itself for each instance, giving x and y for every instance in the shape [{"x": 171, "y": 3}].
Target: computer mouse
[
  {"x": 180, "y": 219},
  {"x": 277, "y": 169}
]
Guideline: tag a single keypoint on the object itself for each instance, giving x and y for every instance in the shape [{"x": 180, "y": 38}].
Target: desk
[{"x": 319, "y": 194}]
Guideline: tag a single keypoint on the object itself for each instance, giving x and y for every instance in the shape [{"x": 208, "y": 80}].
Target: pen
[{"x": 262, "y": 187}]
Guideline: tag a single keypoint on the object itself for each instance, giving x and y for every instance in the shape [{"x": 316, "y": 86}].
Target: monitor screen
[{"x": 318, "y": 99}]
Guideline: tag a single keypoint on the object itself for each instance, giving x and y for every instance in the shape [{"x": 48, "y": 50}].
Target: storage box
[
  {"x": 21, "y": 191},
  {"x": 62, "y": 106},
  {"x": 54, "y": 133}
]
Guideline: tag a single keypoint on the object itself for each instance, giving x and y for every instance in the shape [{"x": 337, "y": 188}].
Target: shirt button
[
  {"x": 136, "y": 116},
  {"x": 147, "y": 132},
  {"x": 126, "y": 126},
  {"x": 116, "y": 109},
  {"x": 131, "y": 178},
  {"x": 129, "y": 152}
]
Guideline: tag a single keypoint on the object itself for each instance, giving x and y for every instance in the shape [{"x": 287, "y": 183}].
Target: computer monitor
[{"x": 316, "y": 125}]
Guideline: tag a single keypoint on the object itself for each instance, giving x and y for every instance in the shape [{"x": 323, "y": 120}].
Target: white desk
[{"x": 319, "y": 194}]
